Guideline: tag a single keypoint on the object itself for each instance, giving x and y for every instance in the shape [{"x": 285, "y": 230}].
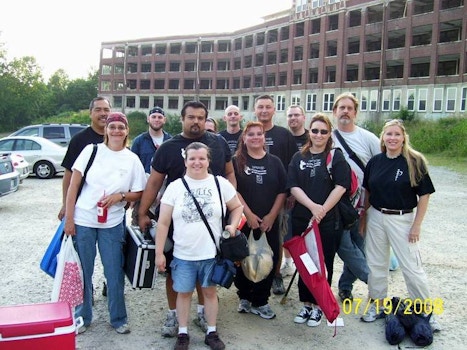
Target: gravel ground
[{"x": 29, "y": 219}]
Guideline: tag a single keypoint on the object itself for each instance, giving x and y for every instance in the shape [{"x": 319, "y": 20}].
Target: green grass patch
[{"x": 457, "y": 164}]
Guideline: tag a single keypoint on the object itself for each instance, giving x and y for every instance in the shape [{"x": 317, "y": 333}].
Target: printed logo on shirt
[
  {"x": 399, "y": 173},
  {"x": 311, "y": 164},
  {"x": 190, "y": 213},
  {"x": 258, "y": 171}
]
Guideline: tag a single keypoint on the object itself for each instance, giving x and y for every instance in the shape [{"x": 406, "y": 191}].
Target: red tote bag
[{"x": 307, "y": 253}]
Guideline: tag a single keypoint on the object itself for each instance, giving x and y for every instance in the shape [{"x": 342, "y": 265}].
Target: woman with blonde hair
[{"x": 396, "y": 182}]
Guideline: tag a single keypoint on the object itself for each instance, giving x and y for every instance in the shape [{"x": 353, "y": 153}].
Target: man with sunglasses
[{"x": 365, "y": 145}]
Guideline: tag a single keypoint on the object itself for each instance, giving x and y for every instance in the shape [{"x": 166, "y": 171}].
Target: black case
[{"x": 140, "y": 267}]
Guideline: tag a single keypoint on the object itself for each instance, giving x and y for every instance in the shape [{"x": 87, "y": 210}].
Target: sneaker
[
  {"x": 303, "y": 315},
  {"x": 244, "y": 307},
  {"x": 123, "y": 329},
  {"x": 201, "y": 322},
  {"x": 373, "y": 313},
  {"x": 264, "y": 311},
  {"x": 315, "y": 317},
  {"x": 170, "y": 327},
  {"x": 82, "y": 329},
  {"x": 183, "y": 340},
  {"x": 288, "y": 269},
  {"x": 345, "y": 294},
  {"x": 434, "y": 324},
  {"x": 278, "y": 285},
  {"x": 213, "y": 341}
]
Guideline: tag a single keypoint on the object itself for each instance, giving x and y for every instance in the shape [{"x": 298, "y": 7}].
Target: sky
[{"x": 68, "y": 34}]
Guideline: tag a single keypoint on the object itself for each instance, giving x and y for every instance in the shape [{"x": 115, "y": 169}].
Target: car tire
[{"x": 44, "y": 169}]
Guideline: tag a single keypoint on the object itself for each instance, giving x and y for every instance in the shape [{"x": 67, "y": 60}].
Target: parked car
[
  {"x": 61, "y": 134},
  {"x": 9, "y": 177},
  {"x": 44, "y": 156},
  {"x": 21, "y": 165}
]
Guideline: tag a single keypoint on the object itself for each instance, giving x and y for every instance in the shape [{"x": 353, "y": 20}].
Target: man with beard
[
  {"x": 146, "y": 144},
  {"x": 169, "y": 162},
  {"x": 365, "y": 145}
]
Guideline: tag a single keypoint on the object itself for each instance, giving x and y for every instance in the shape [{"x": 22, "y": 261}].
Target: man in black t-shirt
[
  {"x": 169, "y": 162},
  {"x": 233, "y": 119},
  {"x": 281, "y": 143},
  {"x": 99, "y": 110}
]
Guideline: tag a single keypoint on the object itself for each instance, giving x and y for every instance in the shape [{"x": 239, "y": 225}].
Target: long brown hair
[
  {"x": 416, "y": 161},
  {"x": 318, "y": 117},
  {"x": 241, "y": 153}
]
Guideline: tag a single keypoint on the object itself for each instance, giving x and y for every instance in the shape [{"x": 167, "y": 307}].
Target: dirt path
[{"x": 28, "y": 219}]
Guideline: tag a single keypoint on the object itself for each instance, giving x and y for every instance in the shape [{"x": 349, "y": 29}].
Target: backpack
[
  {"x": 355, "y": 192},
  {"x": 350, "y": 201}
]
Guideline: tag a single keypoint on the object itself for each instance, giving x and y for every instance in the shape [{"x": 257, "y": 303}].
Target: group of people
[{"x": 277, "y": 177}]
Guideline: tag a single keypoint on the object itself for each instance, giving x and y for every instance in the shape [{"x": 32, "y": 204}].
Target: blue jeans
[
  {"x": 110, "y": 242},
  {"x": 351, "y": 251}
]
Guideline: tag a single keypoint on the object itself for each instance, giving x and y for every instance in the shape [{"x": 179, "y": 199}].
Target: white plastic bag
[
  {"x": 68, "y": 281},
  {"x": 258, "y": 265}
]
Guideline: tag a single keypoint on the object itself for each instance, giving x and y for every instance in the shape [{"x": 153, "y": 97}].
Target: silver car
[
  {"x": 60, "y": 134},
  {"x": 9, "y": 177},
  {"x": 44, "y": 156}
]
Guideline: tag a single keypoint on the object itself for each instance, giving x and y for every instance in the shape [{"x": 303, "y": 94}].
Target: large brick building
[{"x": 390, "y": 54}]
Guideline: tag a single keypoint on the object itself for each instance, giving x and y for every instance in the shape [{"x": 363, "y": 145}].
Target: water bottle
[
  {"x": 225, "y": 234},
  {"x": 101, "y": 213}
]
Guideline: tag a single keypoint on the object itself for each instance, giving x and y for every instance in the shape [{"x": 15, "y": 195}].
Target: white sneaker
[
  {"x": 373, "y": 313},
  {"x": 288, "y": 269},
  {"x": 315, "y": 317},
  {"x": 434, "y": 324}
]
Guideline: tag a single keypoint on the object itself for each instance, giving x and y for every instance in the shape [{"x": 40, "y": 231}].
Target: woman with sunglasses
[{"x": 317, "y": 195}]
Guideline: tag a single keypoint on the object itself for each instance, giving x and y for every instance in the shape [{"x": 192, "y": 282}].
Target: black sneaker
[
  {"x": 213, "y": 341},
  {"x": 183, "y": 340},
  {"x": 345, "y": 294},
  {"x": 278, "y": 285}
]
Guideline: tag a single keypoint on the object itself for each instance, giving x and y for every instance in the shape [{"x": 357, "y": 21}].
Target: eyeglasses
[
  {"x": 320, "y": 131},
  {"x": 119, "y": 128}
]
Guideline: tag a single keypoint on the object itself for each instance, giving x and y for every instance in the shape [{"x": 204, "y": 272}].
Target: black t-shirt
[
  {"x": 309, "y": 172},
  {"x": 260, "y": 182},
  {"x": 232, "y": 139},
  {"x": 77, "y": 143},
  {"x": 388, "y": 182},
  {"x": 302, "y": 139},
  {"x": 281, "y": 143},
  {"x": 169, "y": 156}
]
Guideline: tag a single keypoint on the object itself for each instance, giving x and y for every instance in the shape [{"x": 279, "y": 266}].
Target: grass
[{"x": 459, "y": 165}]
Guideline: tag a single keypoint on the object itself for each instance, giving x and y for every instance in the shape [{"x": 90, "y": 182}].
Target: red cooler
[{"x": 37, "y": 326}]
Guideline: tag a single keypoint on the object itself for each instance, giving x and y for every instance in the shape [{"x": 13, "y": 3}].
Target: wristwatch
[{"x": 123, "y": 196}]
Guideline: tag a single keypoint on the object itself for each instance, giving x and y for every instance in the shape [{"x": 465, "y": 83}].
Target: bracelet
[{"x": 123, "y": 196}]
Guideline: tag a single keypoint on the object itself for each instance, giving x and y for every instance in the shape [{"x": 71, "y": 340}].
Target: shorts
[{"x": 185, "y": 274}]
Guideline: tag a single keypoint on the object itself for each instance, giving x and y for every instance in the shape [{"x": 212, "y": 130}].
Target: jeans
[
  {"x": 110, "y": 242},
  {"x": 352, "y": 252}
]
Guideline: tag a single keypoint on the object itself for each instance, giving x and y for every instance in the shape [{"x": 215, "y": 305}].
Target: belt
[{"x": 395, "y": 211}]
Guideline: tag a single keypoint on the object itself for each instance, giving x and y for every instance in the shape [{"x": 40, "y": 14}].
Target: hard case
[
  {"x": 140, "y": 267},
  {"x": 37, "y": 327}
]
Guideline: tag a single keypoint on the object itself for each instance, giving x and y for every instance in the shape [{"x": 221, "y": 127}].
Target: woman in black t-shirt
[
  {"x": 396, "y": 181},
  {"x": 317, "y": 195},
  {"x": 261, "y": 182}
]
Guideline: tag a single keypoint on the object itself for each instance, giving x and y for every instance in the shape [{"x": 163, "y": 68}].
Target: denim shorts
[{"x": 185, "y": 274}]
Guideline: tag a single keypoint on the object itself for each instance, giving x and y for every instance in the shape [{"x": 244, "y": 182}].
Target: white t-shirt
[
  {"x": 364, "y": 143},
  {"x": 191, "y": 237},
  {"x": 111, "y": 172}
]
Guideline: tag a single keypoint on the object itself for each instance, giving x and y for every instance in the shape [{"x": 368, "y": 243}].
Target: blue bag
[{"x": 49, "y": 261}]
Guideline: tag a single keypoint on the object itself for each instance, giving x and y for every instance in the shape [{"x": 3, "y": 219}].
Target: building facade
[{"x": 391, "y": 54}]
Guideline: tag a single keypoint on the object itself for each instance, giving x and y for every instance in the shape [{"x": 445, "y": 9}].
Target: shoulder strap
[
  {"x": 351, "y": 153},
  {"x": 91, "y": 160},
  {"x": 220, "y": 198},
  {"x": 203, "y": 217}
]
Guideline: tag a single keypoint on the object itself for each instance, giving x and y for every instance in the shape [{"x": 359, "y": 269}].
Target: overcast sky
[{"x": 68, "y": 34}]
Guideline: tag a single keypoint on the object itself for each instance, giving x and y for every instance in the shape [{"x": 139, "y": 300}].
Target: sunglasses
[{"x": 318, "y": 131}]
